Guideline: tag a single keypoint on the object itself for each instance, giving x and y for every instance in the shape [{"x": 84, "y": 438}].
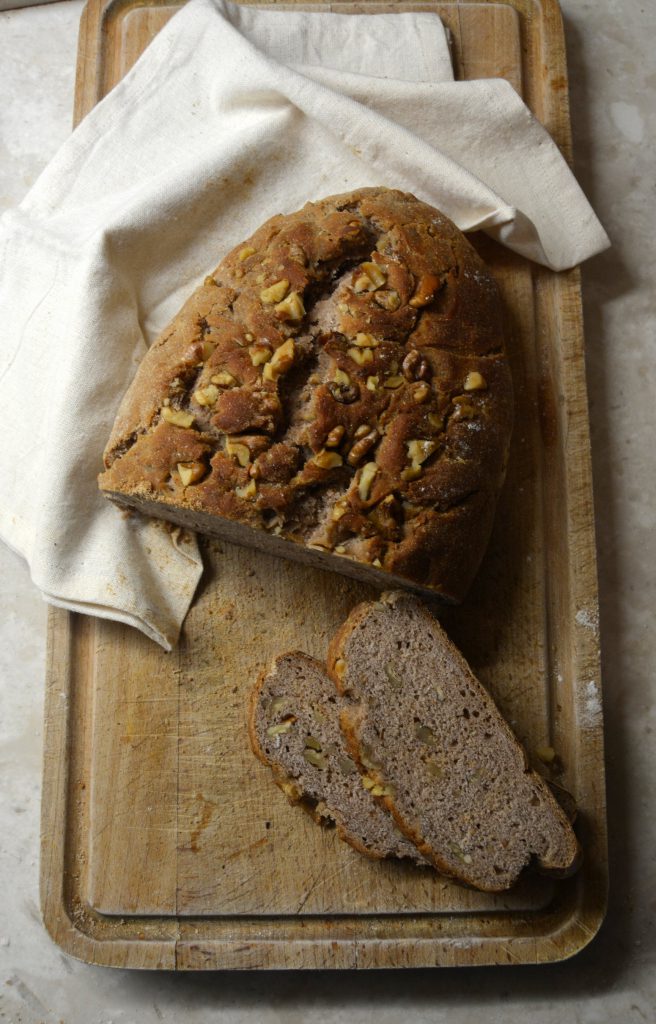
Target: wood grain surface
[{"x": 165, "y": 843}]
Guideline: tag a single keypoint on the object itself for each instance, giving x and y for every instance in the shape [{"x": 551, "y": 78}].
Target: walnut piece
[
  {"x": 206, "y": 396},
  {"x": 275, "y": 292},
  {"x": 415, "y": 366},
  {"x": 339, "y": 668},
  {"x": 370, "y": 278},
  {"x": 281, "y": 727},
  {"x": 327, "y": 460},
  {"x": 475, "y": 382},
  {"x": 390, "y": 300},
  {"x": 176, "y": 417},
  {"x": 249, "y": 490},
  {"x": 291, "y": 308},
  {"x": 260, "y": 353},
  {"x": 335, "y": 436},
  {"x": 361, "y": 448},
  {"x": 420, "y": 450},
  {"x": 342, "y": 390},
  {"x": 425, "y": 291},
  {"x": 340, "y": 508},
  {"x": 224, "y": 379},
  {"x": 281, "y": 360},
  {"x": 360, "y": 355},
  {"x": 363, "y": 340},
  {"x": 316, "y": 759},
  {"x": 239, "y": 451},
  {"x": 191, "y": 472},
  {"x": 369, "y": 471}
]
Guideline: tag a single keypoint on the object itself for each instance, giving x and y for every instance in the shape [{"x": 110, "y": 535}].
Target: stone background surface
[{"x": 613, "y": 91}]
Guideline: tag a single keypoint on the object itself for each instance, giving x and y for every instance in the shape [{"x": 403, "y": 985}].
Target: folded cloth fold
[{"x": 231, "y": 115}]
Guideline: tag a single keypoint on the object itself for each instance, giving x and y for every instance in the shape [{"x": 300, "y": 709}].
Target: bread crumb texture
[
  {"x": 294, "y": 728},
  {"x": 451, "y": 772}
]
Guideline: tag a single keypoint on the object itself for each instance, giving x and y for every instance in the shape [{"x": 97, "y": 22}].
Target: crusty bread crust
[
  {"x": 353, "y": 720},
  {"x": 340, "y": 384}
]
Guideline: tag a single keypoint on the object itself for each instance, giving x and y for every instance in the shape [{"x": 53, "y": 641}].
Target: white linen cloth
[{"x": 230, "y": 116}]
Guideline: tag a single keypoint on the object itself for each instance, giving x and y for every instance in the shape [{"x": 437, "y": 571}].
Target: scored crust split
[
  {"x": 447, "y": 765},
  {"x": 336, "y": 391}
]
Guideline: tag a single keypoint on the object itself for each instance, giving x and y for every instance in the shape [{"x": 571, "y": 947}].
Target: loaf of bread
[
  {"x": 294, "y": 728},
  {"x": 432, "y": 743},
  {"x": 336, "y": 391}
]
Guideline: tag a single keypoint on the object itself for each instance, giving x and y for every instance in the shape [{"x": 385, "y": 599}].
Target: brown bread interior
[
  {"x": 455, "y": 778},
  {"x": 294, "y": 728}
]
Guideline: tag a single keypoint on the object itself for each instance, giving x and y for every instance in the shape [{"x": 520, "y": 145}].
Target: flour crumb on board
[
  {"x": 589, "y": 619},
  {"x": 590, "y": 709}
]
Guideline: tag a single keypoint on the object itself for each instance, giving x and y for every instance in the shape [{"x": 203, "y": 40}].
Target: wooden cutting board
[{"x": 165, "y": 843}]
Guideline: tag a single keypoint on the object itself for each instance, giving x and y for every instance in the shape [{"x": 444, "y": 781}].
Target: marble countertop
[{"x": 613, "y": 92}]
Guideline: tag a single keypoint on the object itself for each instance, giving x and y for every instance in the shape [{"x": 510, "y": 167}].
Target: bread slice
[
  {"x": 294, "y": 728},
  {"x": 444, "y": 761}
]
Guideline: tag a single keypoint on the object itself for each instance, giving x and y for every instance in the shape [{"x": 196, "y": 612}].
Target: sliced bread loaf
[
  {"x": 440, "y": 756},
  {"x": 294, "y": 728}
]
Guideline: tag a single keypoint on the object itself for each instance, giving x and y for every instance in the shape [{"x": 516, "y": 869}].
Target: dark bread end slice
[
  {"x": 421, "y": 725},
  {"x": 294, "y": 728}
]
